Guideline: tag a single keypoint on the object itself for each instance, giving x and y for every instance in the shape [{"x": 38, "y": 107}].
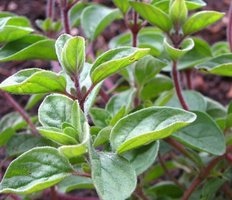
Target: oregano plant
[{"x": 119, "y": 122}]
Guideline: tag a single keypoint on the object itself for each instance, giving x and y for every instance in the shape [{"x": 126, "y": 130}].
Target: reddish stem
[
  {"x": 176, "y": 79},
  {"x": 76, "y": 173},
  {"x": 104, "y": 96},
  {"x": 204, "y": 174},
  {"x": 50, "y": 9},
  {"x": 20, "y": 110},
  {"x": 85, "y": 96},
  {"x": 64, "y": 15},
  {"x": 188, "y": 74},
  {"x": 53, "y": 193},
  {"x": 229, "y": 27}
]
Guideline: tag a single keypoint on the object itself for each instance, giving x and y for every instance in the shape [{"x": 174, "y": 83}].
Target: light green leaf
[
  {"x": 203, "y": 135},
  {"x": 55, "y": 110},
  {"x": 147, "y": 125},
  {"x": 99, "y": 116},
  {"x": 73, "y": 55},
  {"x": 155, "y": 87},
  {"x": 56, "y": 135},
  {"x": 102, "y": 137},
  {"x": 220, "y": 65},
  {"x": 114, "y": 60},
  {"x": 108, "y": 171},
  {"x": 215, "y": 109},
  {"x": 178, "y": 12},
  {"x": 34, "y": 81},
  {"x": 96, "y": 18},
  {"x": 23, "y": 142},
  {"x": 75, "y": 182},
  {"x": 28, "y": 48},
  {"x": 79, "y": 149},
  {"x": 142, "y": 158},
  {"x": 124, "y": 98},
  {"x": 13, "y": 28},
  {"x": 194, "y": 100},
  {"x": 153, "y": 15},
  {"x": 35, "y": 170},
  {"x": 200, "y": 20},
  {"x": 176, "y": 53},
  {"x": 220, "y": 48},
  {"x": 34, "y": 100},
  {"x": 147, "y": 68},
  {"x": 122, "y": 5}
]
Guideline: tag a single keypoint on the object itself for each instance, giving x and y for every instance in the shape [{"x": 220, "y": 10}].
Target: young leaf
[
  {"x": 203, "y": 135},
  {"x": 176, "y": 53},
  {"x": 38, "y": 169},
  {"x": 96, "y": 18},
  {"x": 122, "y": 5},
  {"x": 147, "y": 125},
  {"x": 115, "y": 60},
  {"x": 102, "y": 137},
  {"x": 178, "y": 12},
  {"x": 142, "y": 158},
  {"x": 99, "y": 117},
  {"x": 153, "y": 15},
  {"x": 220, "y": 65},
  {"x": 79, "y": 149},
  {"x": 34, "y": 81},
  {"x": 55, "y": 110},
  {"x": 108, "y": 172},
  {"x": 200, "y": 20},
  {"x": 28, "y": 48},
  {"x": 73, "y": 55}
]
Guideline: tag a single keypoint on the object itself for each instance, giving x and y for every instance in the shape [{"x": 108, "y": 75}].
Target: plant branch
[
  {"x": 20, "y": 110},
  {"x": 229, "y": 27},
  {"x": 162, "y": 163},
  {"x": 176, "y": 79},
  {"x": 203, "y": 174},
  {"x": 64, "y": 15},
  {"x": 50, "y": 9},
  {"x": 85, "y": 96}
]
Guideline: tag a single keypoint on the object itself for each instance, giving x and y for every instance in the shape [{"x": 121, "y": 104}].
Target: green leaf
[
  {"x": 148, "y": 37},
  {"x": 75, "y": 13},
  {"x": 155, "y": 87},
  {"x": 200, "y": 20},
  {"x": 102, "y": 137},
  {"x": 96, "y": 18},
  {"x": 59, "y": 45},
  {"x": 153, "y": 15},
  {"x": 56, "y": 135},
  {"x": 178, "y": 12},
  {"x": 35, "y": 170},
  {"x": 195, "y": 4},
  {"x": 220, "y": 48},
  {"x": 55, "y": 110},
  {"x": 147, "y": 125},
  {"x": 79, "y": 149},
  {"x": 75, "y": 182},
  {"x": 114, "y": 60},
  {"x": 203, "y": 135},
  {"x": 99, "y": 116},
  {"x": 124, "y": 98},
  {"x": 215, "y": 109},
  {"x": 23, "y": 142},
  {"x": 13, "y": 28},
  {"x": 108, "y": 172},
  {"x": 142, "y": 158},
  {"x": 122, "y": 5},
  {"x": 34, "y": 100},
  {"x": 28, "y": 48},
  {"x": 175, "y": 54},
  {"x": 34, "y": 81},
  {"x": 147, "y": 68},
  {"x": 194, "y": 100},
  {"x": 220, "y": 65}
]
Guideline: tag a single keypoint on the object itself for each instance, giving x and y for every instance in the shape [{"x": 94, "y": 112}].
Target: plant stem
[
  {"x": 204, "y": 174},
  {"x": 77, "y": 86},
  {"x": 229, "y": 27},
  {"x": 188, "y": 74},
  {"x": 104, "y": 96},
  {"x": 140, "y": 194},
  {"x": 85, "y": 96},
  {"x": 135, "y": 29},
  {"x": 76, "y": 173},
  {"x": 50, "y": 9},
  {"x": 162, "y": 163},
  {"x": 20, "y": 110},
  {"x": 175, "y": 75},
  {"x": 64, "y": 15},
  {"x": 53, "y": 193}
]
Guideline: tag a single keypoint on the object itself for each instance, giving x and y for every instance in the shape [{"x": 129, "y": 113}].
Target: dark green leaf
[
  {"x": 38, "y": 169},
  {"x": 99, "y": 116},
  {"x": 103, "y": 136},
  {"x": 122, "y": 5},
  {"x": 75, "y": 13},
  {"x": 203, "y": 135},
  {"x": 147, "y": 125}
]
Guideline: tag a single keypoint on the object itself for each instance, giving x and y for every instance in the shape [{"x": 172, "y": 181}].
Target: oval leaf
[
  {"x": 96, "y": 18},
  {"x": 35, "y": 170},
  {"x": 153, "y": 15},
  {"x": 203, "y": 135},
  {"x": 200, "y": 20},
  {"x": 34, "y": 81},
  {"x": 147, "y": 125},
  {"x": 115, "y": 60}
]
